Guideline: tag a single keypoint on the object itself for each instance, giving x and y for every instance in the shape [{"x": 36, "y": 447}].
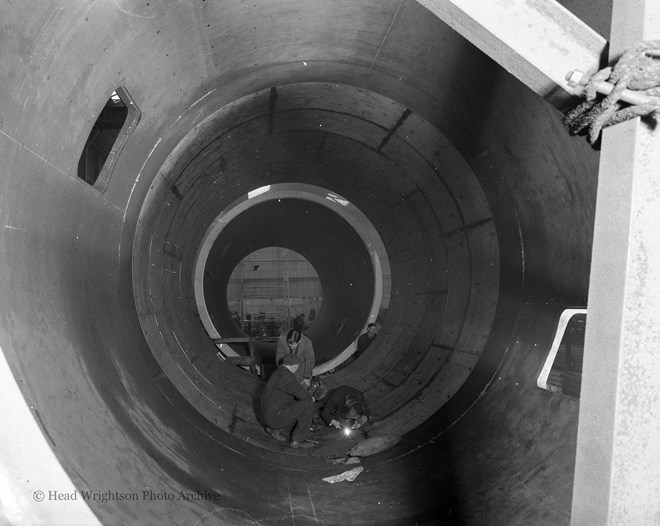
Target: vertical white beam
[
  {"x": 537, "y": 41},
  {"x": 617, "y": 472}
]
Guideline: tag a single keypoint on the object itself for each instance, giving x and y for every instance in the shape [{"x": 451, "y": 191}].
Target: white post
[{"x": 617, "y": 472}]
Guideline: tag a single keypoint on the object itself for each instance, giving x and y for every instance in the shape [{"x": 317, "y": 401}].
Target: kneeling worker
[
  {"x": 286, "y": 403},
  {"x": 345, "y": 408}
]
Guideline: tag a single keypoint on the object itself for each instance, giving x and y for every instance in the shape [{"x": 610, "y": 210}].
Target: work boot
[
  {"x": 277, "y": 435},
  {"x": 305, "y": 444}
]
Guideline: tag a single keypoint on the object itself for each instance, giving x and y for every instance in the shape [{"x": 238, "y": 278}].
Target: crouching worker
[
  {"x": 345, "y": 408},
  {"x": 287, "y": 404}
]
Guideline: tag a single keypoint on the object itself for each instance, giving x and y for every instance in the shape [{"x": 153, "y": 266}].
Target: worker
[
  {"x": 295, "y": 342},
  {"x": 286, "y": 404},
  {"x": 345, "y": 408},
  {"x": 363, "y": 342},
  {"x": 365, "y": 339}
]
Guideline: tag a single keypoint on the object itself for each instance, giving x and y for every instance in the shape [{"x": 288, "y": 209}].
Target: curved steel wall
[{"x": 483, "y": 203}]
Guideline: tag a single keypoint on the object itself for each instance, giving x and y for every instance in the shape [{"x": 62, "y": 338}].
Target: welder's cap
[{"x": 290, "y": 359}]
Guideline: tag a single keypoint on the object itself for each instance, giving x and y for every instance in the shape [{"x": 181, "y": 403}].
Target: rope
[{"x": 638, "y": 70}]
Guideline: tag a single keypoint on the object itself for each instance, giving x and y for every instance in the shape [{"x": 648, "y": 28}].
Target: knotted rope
[{"x": 638, "y": 72}]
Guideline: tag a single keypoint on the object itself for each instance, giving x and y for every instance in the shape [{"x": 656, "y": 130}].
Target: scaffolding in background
[{"x": 272, "y": 290}]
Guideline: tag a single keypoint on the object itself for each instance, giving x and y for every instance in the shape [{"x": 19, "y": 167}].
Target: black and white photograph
[{"x": 330, "y": 262}]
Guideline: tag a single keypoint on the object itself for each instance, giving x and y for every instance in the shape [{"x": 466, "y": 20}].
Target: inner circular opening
[
  {"x": 272, "y": 290},
  {"x": 346, "y": 254},
  {"x": 328, "y": 243}
]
